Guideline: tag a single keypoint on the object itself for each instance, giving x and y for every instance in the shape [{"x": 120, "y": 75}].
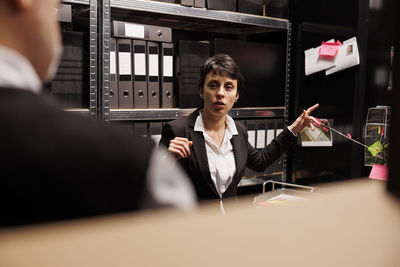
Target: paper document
[
  {"x": 278, "y": 200},
  {"x": 321, "y": 136},
  {"x": 315, "y": 63},
  {"x": 347, "y": 56}
]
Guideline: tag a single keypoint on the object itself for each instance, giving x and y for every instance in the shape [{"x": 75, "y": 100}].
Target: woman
[{"x": 212, "y": 147}]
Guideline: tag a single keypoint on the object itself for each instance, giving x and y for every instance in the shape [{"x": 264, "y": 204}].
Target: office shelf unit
[
  {"x": 341, "y": 95},
  {"x": 184, "y": 21},
  {"x": 173, "y": 113},
  {"x": 189, "y": 20}
]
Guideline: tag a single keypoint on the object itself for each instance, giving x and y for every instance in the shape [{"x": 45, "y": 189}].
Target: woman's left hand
[{"x": 305, "y": 120}]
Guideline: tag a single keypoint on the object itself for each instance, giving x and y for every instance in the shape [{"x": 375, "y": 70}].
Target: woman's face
[{"x": 219, "y": 93}]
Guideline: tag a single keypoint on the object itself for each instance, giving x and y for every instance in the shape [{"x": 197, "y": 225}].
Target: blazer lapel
[{"x": 240, "y": 159}]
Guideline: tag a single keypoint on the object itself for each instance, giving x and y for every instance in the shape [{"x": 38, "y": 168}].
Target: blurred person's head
[{"x": 30, "y": 27}]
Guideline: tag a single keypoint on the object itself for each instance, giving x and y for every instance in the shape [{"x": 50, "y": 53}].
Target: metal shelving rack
[
  {"x": 185, "y": 17},
  {"x": 173, "y": 113},
  {"x": 100, "y": 32},
  {"x": 230, "y": 20},
  {"x": 93, "y": 52}
]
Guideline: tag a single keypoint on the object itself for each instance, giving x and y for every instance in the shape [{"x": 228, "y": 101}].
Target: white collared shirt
[
  {"x": 17, "y": 72},
  {"x": 221, "y": 160}
]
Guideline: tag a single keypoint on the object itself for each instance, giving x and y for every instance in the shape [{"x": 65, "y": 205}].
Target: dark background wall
[{"x": 344, "y": 97}]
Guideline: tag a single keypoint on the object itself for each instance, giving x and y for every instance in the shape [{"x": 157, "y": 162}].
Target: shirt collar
[
  {"x": 230, "y": 123},
  {"x": 17, "y": 72}
]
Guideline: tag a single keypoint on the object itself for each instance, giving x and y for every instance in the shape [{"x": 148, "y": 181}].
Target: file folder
[
  {"x": 141, "y": 31},
  {"x": 254, "y": 7},
  {"x": 251, "y": 132},
  {"x": 125, "y": 96},
  {"x": 187, "y": 2},
  {"x": 140, "y": 74},
  {"x": 167, "y": 78},
  {"x": 200, "y": 3},
  {"x": 192, "y": 54},
  {"x": 260, "y": 134},
  {"x": 153, "y": 83},
  {"x": 113, "y": 75},
  {"x": 229, "y": 5}
]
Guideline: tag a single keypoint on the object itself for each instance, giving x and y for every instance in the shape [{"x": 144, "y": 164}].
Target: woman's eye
[
  {"x": 212, "y": 85},
  {"x": 229, "y": 87}
]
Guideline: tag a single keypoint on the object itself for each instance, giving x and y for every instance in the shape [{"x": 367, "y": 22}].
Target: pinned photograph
[{"x": 349, "y": 50}]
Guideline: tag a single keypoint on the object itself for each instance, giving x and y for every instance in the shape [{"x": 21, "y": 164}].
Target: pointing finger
[{"x": 309, "y": 110}]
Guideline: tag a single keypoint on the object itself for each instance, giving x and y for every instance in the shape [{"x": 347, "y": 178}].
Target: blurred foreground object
[{"x": 354, "y": 223}]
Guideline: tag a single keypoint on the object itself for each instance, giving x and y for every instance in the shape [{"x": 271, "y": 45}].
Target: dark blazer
[
  {"x": 197, "y": 167},
  {"x": 55, "y": 165}
]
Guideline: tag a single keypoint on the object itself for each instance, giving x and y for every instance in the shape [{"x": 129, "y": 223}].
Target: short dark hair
[{"x": 220, "y": 64}]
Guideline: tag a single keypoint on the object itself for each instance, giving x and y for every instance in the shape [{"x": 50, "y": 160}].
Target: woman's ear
[
  {"x": 237, "y": 97},
  {"x": 201, "y": 93}
]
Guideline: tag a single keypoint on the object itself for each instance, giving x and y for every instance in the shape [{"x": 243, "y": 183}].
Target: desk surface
[{"x": 353, "y": 223}]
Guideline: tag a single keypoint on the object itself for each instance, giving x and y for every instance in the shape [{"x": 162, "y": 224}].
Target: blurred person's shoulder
[{"x": 42, "y": 118}]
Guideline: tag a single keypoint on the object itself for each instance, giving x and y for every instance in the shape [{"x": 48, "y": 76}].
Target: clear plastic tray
[{"x": 290, "y": 192}]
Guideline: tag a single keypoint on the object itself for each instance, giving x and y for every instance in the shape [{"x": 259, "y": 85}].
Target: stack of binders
[{"x": 141, "y": 66}]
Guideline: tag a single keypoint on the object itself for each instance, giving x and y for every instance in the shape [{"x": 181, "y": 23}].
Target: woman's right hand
[{"x": 180, "y": 147}]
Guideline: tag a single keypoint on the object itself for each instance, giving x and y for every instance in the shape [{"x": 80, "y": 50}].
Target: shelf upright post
[
  {"x": 104, "y": 58},
  {"x": 287, "y": 86},
  {"x": 93, "y": 58}
]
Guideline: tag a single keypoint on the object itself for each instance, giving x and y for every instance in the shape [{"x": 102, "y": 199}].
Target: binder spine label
[
  {"x": 140, "y": 65},
  {"x": 124, "y": 56},
  {"x": 168, "y": 63},
  {"x": 134, "y": 31}
]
